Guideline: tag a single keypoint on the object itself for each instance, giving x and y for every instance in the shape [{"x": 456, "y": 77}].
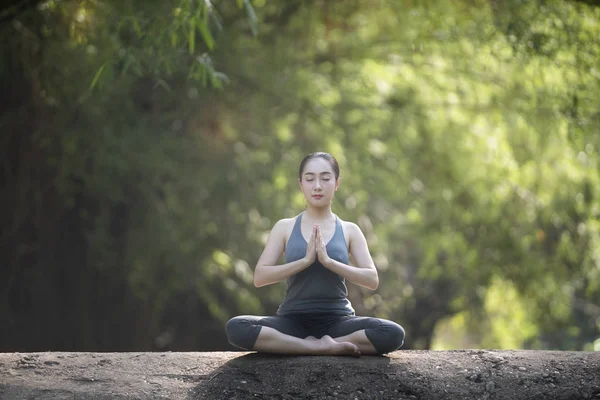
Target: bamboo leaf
[
  {"x": 136, "y": 27},
  {"x": 192, "y": 39},
  {"x": 252, "y": 18},
  {"x": 207, "y": 36},
  {"x": 216, "y": 21},
  {"x": 163, "y": 84},
  {"x": 98, "y": 75},
  {"x": 127, "y": 65}
]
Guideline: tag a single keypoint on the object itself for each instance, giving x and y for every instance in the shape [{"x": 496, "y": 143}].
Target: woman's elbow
[
  {"x": 371, "y": 285},
  {"x": 374, "y": 281},
  {"x": 374, "y": 284},
  {"x": 259, "y": 279}
]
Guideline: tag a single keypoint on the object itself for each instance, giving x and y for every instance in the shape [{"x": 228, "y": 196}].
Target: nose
[{"x": 317, "y": 184}]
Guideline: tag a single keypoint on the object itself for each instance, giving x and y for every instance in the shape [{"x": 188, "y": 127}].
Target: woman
[{"x": 316, "y": 316}]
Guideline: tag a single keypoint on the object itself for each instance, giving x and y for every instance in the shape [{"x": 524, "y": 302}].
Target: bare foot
[{"x": 329, "y": 346}]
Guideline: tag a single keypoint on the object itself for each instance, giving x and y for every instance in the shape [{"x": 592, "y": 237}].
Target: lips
[{"x": 317, "y": 196}]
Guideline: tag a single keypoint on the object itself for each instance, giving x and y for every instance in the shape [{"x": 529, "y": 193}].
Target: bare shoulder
[
  {"x": 352, "y": 232},
  {"x": 350, "y": 227},
  {"x": 283, "y": 228},
  {"x": 357, "y": 244},
  {"x": 282, "y": 225}
]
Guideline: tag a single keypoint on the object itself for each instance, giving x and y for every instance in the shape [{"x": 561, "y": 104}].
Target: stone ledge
[{"x": 459, "y": 374}]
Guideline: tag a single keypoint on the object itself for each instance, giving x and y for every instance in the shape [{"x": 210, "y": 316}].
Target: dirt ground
[{"x": 461, "y": 374}]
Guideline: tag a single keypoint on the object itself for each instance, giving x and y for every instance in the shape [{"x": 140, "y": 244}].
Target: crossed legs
[
  {"x": 271, "y": 340},
  {"x": 347, "y": 335}
]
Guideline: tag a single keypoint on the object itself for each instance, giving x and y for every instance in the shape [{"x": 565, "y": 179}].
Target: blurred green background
[{"x": 149, "y": 146}]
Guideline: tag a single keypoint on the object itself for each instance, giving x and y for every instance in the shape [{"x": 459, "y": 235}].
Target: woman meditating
[{"x": 316, "y": 316}]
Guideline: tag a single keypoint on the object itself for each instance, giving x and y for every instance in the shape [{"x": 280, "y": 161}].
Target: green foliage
[{"x": 466, "y": 134}]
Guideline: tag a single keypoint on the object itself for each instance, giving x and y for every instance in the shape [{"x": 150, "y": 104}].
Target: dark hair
[{"x": 320, "y": 154}]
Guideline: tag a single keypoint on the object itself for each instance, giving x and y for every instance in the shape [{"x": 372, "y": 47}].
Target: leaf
[
  {"x": 216, "y": 21},
  {"x": 98, "y": 75},
  {"x": 221, "y": 77},
  {"x": 207, "y": 36},
  {"x": 162, "y": 83},
  {"x": 215, "y": 81},
  {"x": 192, "y": 43},
  {"x": 252, "y": 19},
  {"x": 129, "y": 61},
  {"x": 136, "y": 27}
]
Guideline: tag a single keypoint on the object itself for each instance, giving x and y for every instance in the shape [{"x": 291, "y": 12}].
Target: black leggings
[{"x": 386, "y": 336}]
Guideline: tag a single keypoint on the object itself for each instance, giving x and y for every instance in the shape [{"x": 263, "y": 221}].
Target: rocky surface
[{"x": 460, "y": 374}]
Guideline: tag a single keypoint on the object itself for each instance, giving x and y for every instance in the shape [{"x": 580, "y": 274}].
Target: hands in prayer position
[{"x": 316, "y": 248}]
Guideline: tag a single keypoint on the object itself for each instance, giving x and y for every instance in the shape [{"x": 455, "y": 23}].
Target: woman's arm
[
  {"x": 365, "y": 274},
  {"x": 267, "y": 271}
]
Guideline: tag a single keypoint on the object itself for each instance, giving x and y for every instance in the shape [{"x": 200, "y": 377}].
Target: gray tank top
[{"x": 316, "y": 290}]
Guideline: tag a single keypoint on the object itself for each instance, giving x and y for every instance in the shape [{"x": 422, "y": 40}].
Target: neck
[{"x": 319, "y": 214}]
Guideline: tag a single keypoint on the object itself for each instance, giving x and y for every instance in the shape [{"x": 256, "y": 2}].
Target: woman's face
[{"x": 318, "y": 182}]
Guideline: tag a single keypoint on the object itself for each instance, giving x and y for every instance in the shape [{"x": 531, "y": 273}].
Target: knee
[
  {"x": 397, "y": 334},
  {"x": 389, "y": 337},
  {"x": 239, "y": 332}
]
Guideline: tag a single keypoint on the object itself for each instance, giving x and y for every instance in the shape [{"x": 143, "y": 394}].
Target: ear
[
  {"x": 337, "y": 184},
  {"x": 300, "y": 183}
]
